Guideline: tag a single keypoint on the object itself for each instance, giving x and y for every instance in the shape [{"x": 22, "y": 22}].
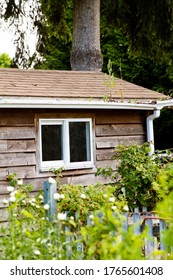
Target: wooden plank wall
[
  {"x": 19, "y": 151},
  {"x": 17, "y": 144},
  {"x": 118, "y": 127},
  {"x": 17, "y": 148}
]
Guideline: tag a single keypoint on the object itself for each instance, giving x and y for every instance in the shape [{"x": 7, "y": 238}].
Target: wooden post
[
  {"x": 149, "y": 242},
  {"x": 162, "y": 228},
  {"x": 49, "y": 191},
  {"x": 136, "y": 221},
  {"x": 68, "y": 241},
  {"x": 125, "y": 223},
  {"x": 79, "y": 244}
]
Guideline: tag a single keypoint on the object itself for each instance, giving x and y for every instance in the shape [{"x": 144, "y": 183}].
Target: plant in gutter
[{"x": 110, "y": 83}]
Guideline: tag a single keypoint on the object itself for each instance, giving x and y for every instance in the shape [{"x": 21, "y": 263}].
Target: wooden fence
[{"x": 156, "y": 225}]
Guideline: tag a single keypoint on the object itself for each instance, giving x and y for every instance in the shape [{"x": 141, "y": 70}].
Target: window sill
[{"x": 68, "y": 167}]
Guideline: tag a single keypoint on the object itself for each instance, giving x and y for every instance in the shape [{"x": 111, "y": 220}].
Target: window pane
[
  {"x": 79, "y": 141},
  {"x": 51, "y": 142}
]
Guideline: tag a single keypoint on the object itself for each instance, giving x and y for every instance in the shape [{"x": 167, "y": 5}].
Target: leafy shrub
[
  {"x": 83, "y": 200},
  {"x": 106, "y": 238},
  {"x": 164, "y": 209},
  {"x": 30, "y": 235},
  {"x": 134, "y": 175},
  {"x": 163, "y": 184}
]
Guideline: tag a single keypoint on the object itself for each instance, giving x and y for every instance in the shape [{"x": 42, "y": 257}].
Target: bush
[
  {"x": 163, "y": 184},
  {"x": 83, "y": 200},
  {"x": 134, "y": 176},
  {"x": 106, "y": 238},
  {"x": 30, "y": 235},
  {"x": 164, "y": 209}
]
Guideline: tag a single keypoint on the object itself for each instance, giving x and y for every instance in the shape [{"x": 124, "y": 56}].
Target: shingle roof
[{"x": 68, "y": 84}]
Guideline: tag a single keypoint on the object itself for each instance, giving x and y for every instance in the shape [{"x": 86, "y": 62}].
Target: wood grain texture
[
  {"x": 107, "y": 163},
  {"x": 119, "y": 129},
  {"x": 14, "y": 146},
  {"x": 3, "y": 213},
  {"x": 21, "y": 171},
  {"x": 17, "y": 133},
  {"x": 15, "y": 117},
  {"x": 17, "y": 159},
  {"x": 120, "y": 117},
  {"x": 104, "y": 154},
  {"x": 114, "y": 141}
]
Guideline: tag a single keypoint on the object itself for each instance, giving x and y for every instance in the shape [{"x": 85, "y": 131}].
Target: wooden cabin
[{"x": 51, "y": 119}]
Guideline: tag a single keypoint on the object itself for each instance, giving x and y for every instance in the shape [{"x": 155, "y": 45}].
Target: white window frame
[{"x": 65, "y": 163}]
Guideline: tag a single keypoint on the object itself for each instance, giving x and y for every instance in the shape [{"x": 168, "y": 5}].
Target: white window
[{"x": 65, "y": 142}]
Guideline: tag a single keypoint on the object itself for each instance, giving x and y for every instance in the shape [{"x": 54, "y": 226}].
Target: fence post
[
  {"x": 79, "y": 244},
  {"x": 162, "y": 228},
  {"x": 49, "y": 191},
  {"x": 68, "y": 241},
  {"x": 136, "y": 221},
  {"x": 149, "y": 242},
  {"x": 125, "y": 222}
]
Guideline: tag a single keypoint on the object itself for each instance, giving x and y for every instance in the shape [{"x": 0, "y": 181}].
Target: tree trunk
[{"x": 86, "y": 54}]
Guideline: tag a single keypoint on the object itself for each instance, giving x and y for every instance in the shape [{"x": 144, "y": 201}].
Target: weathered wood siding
[
  {"x": 117, "y": 127},
  {"x": 17, "y": 148},
  {"x": 19, "y": 143}
]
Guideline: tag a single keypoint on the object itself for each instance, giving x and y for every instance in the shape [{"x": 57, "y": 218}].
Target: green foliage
[
  {"x": 23, "y": 213},
  {"x": 30, "y": 235},
  {"x": 57, "y": 173},
  {"x": 134, "y": 175},
  {"x": 12, "y": 179},
  {"x": 140, "y": 69},
  {"x": 5, "y": 61},
  {"x": 55, "y": 14},
  {"x": 164, "y": 181},
  {"x": 106, "y": 239},
  {"x": 110, "y": 82},
  {"x": 84, "y": 200},
  {"x": 165, "y": 210},
  {"x": 141, "y": 22},
  {"x": 55, "y": 45}
]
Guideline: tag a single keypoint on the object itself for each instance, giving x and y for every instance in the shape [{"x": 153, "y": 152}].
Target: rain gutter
[
  {"x": 150, "y": 129},
  {"x": 50, "y": 103},
  {"x": 156, "y": 114}
]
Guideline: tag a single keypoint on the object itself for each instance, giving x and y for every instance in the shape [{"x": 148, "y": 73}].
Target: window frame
[{"x": 65, "y": 162}]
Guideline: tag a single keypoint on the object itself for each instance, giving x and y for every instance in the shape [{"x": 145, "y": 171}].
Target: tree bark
[{"x": 86, "y": 54}]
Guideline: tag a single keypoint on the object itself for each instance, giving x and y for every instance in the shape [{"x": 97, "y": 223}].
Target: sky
[
  {"x": 6, "y": 43},
  {"x": 7, "y": 38},
  {"x": 7, "y": 35}
]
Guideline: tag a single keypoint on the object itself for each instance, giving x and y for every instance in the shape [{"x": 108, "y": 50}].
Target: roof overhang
[
  {"x": 53, "y": 103},
  {"x": 164, "y": 103}
]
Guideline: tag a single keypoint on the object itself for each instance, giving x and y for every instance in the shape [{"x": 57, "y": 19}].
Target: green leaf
[{"x": 27, "y": 214}]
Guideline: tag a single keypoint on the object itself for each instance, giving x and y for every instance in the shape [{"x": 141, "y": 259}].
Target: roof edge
[{"x": 53, "y": 103}]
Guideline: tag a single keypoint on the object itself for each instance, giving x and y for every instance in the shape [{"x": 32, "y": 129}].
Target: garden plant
[
  {"x": 89, "y": 222},
  {"x": 135, "y": 175}
]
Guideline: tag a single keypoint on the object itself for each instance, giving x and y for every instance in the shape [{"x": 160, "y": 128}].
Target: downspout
[{"x": 150, "y": 129}]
